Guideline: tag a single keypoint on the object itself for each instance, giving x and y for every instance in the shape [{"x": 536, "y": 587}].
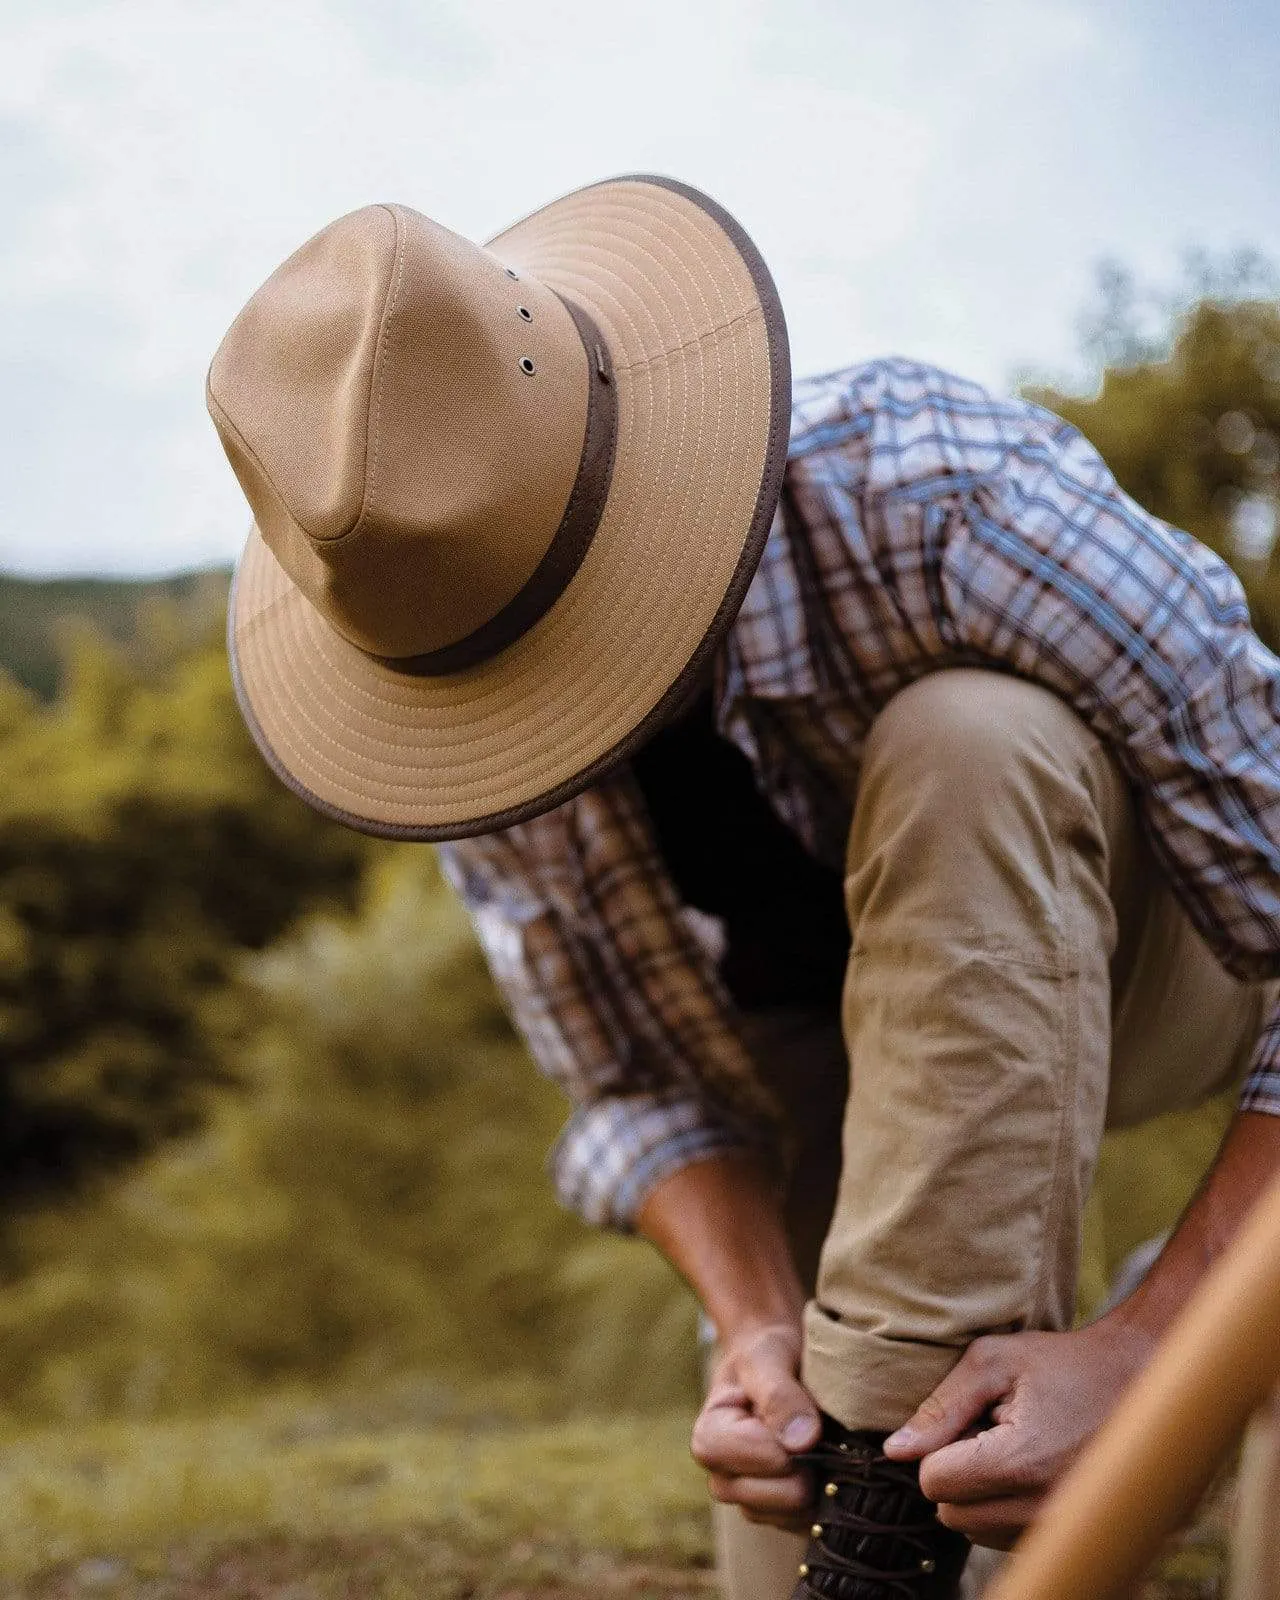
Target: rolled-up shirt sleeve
[
  {"x": 1261, "y": 1091},
  {"x": 1050, "y": 569},
  {"x": 616, "y": 996},
  {"x": 615, "y": 1150}
]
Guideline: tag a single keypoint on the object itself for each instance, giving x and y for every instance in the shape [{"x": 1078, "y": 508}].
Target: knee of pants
[
  {"x": 976, "y": 727},
  {"x": 972, "y": 783}
]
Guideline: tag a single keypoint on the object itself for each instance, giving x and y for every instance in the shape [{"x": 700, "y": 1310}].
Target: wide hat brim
[{"x": 700, "y": 363}]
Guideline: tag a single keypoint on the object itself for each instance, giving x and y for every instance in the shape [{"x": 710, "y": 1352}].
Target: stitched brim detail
[{"x": 700, "y": 362}]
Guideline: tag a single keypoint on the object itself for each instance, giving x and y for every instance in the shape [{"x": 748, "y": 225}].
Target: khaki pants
[{"x": 1021, "y": 977}]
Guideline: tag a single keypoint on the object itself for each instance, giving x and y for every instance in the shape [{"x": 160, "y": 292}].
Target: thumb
[
  {"x": 779, "y": 1399},
  {"x": 982, "y": 1376}
]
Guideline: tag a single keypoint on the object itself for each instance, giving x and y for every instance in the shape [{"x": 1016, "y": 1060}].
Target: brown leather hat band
[{"x": 565, "y": 553}]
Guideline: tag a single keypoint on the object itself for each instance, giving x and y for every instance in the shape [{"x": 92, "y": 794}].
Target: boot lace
[{"x": 848, "y": 1523}]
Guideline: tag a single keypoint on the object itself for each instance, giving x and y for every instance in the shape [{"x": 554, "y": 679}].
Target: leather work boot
[{"x": 874, "y": 1536}]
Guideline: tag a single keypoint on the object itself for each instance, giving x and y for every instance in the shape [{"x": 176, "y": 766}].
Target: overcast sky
[{"x": 932, "y": 177}]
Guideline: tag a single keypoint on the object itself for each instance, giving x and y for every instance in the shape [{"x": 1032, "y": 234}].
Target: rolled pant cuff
[{"x": 864, "y": 1380}]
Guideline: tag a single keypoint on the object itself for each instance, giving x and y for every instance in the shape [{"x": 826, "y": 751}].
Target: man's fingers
[
  {"x": 727, "y": 1392},
  {"x": 988, "y": 1465},
  {"x": 994, "y": 1523},
  {"x": 728, "y": 1439},
  {"x": 788, "y": 1498},
  {"x": 982, "y": 1376},
  {"x": 780, "y": 1400}
]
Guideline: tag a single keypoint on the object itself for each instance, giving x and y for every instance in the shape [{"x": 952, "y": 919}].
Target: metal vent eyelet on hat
[
  {"x": 523, "y": 311},
  {"x": 512, "y": 273},
  {"x": 527, "y": 366}
]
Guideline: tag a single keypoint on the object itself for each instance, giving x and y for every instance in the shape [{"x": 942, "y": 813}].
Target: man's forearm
[
  {"x": 719, "y": 1223},
  {"x": 1248, "y": 1159}
]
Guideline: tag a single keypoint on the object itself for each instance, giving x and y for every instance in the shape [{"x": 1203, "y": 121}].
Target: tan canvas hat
[{"x": 507, "y": 499}]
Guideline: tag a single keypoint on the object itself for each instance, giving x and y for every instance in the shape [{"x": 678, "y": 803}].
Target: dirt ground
[
  {"x": 385, "y": 1567},
  {"x": 422, "y": 1565}
]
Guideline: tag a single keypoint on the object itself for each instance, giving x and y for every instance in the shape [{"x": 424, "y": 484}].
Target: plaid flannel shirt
[{"x": 923, "y": 524}]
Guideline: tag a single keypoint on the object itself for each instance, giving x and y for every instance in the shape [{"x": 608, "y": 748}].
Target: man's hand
[
  {"x": 1038, "y": 1397},
  {"x": 756, "y": 1416},
  {"x": 719, "y": 1222}
]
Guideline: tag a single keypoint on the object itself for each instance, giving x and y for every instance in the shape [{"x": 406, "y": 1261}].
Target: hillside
[{"x": 35, "y": 613}]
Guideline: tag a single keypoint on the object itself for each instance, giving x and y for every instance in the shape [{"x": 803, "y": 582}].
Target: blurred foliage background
[{"x": 262, "y": 1119}]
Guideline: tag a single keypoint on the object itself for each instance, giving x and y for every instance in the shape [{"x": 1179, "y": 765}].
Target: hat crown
[{"x": 404, "y": 465}]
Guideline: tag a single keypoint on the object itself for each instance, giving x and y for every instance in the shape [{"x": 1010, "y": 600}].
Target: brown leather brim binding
[{"x": 680, "y": 294}]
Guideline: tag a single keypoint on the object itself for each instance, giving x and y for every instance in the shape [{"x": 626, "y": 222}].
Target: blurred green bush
[
  {"x": 263, "y": 1117},
  {"x": 142, "y": 847},
  {"x": 372, "y": 1204}
]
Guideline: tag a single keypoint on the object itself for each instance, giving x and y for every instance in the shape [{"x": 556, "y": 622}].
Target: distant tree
[
  {"x": 1187, "y": 410},
  {"x": 143, "y": 847},
  {"x": 1131, "y": 323}
]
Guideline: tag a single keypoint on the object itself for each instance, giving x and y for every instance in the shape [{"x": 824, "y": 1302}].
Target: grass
[
  {"x": 384, "y": 1498},
  {"x": 313, "y": 1494}
]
